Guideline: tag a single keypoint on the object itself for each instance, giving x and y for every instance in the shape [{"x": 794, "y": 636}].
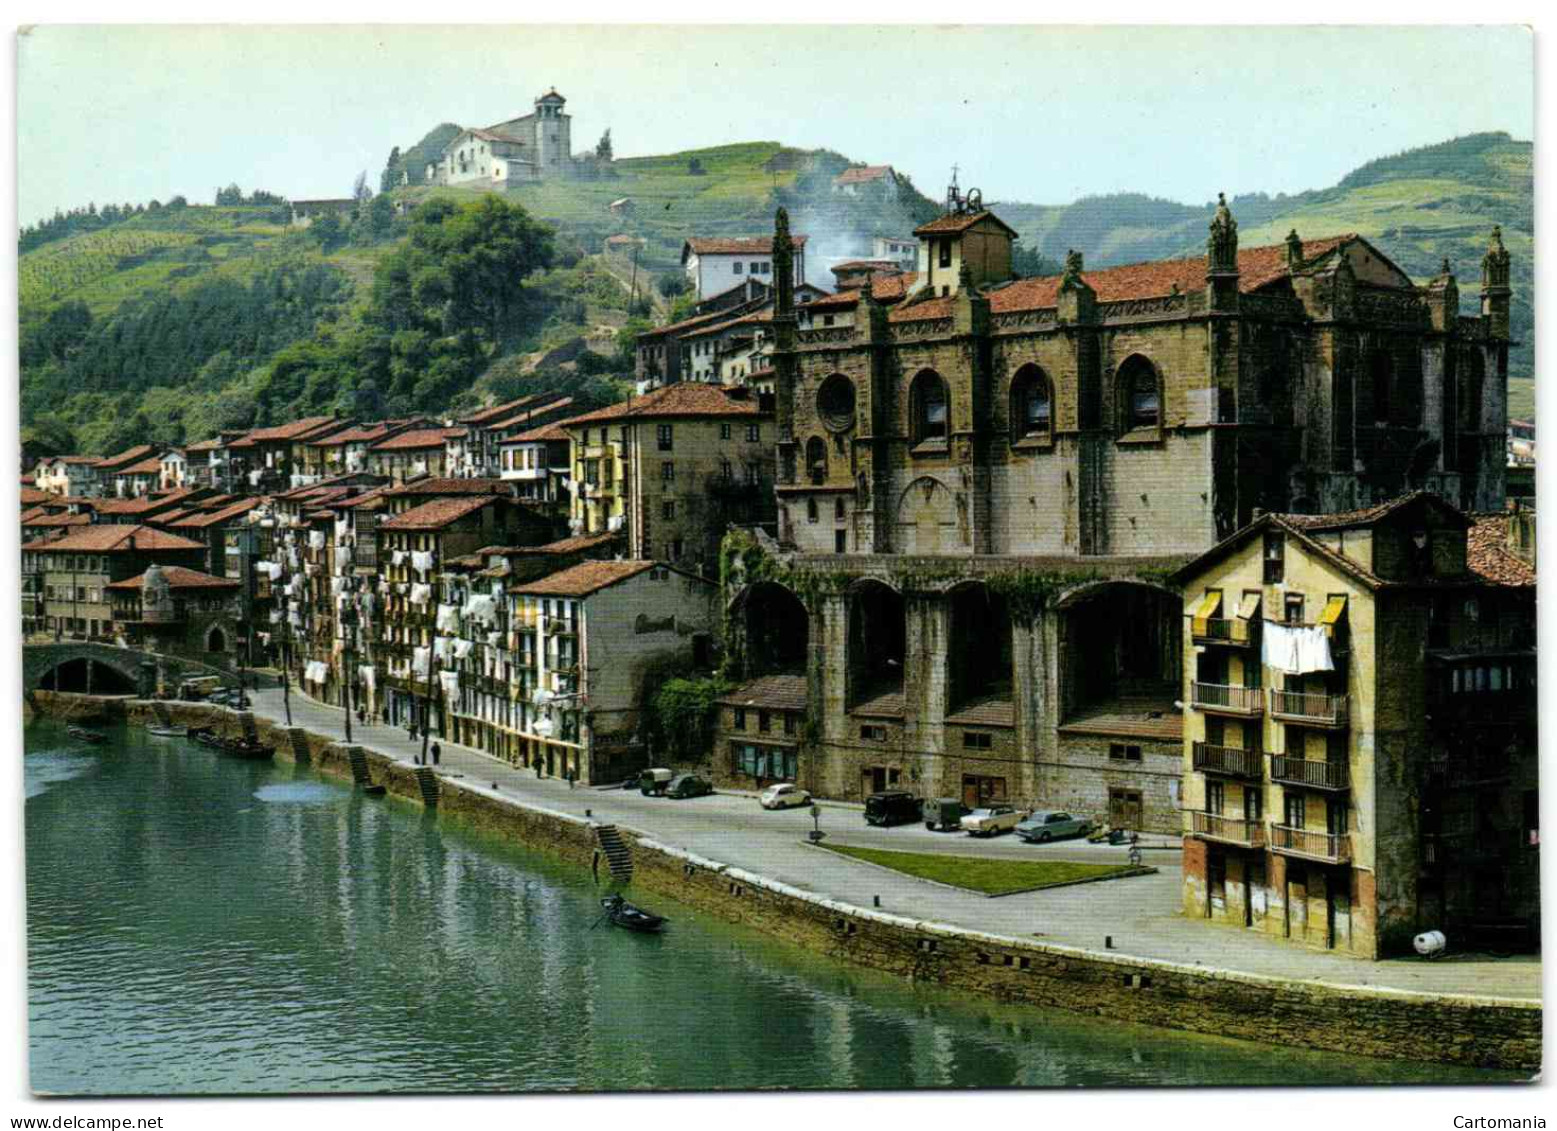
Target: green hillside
[
  {"x": 173, "y": 323},
  {"x": 1418, "y": 207}
]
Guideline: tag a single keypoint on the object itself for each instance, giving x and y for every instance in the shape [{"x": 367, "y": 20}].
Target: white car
[
  {"x": 785, "y": 795},
  {"x": 991, "y": 820}
]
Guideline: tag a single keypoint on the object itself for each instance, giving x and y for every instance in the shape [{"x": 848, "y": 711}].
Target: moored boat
[
  {"x": 241, "y": 748},
  {"x": 630, "y": 918},
  {"x": 167, "y": 731},
  {"x": 81, "y": 734}
]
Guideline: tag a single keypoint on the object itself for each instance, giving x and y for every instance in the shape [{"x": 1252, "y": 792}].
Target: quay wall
[{"x": 1358, "y": 1020}]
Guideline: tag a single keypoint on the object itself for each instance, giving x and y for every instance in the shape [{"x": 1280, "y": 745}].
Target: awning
[
  {"x": 1249, "y": 609},
  {"x": 1209, "y": 604},
  {"x": 1334, "y": 608}
]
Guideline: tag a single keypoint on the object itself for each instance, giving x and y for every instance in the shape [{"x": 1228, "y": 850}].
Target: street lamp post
[
  {"x": 348, "y": 619},
  {"x": 816, "y": 834}
]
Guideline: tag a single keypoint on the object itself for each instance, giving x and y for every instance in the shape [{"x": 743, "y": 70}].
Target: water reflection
[{"x": 198, "y": 924}]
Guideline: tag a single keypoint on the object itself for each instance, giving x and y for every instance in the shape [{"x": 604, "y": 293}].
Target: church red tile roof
[
  {"x": 770, "y": 693},
  {"x": 686, "y": 398}
]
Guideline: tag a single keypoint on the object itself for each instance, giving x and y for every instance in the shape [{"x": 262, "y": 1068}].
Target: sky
[{"x": 1044, "y": 115}]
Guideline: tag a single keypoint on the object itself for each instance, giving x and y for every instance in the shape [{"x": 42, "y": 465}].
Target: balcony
[
  {"x": 1306, "y": 772},
  {"x": 1328, "y": 848},
  {"x": 1227, "y": 830},
  {"x": 1222, "y": 630},
  {"x": 1229, "y": 760},
  {"x": 1224, "y": 699},
  {"x": 1310, "y": 708}
]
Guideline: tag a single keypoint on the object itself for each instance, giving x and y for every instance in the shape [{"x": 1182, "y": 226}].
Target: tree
[
  {"x": 674, "y": 283},
  {"x": 229, "y": 196},
  {"x": 360, "y": 192},
  {"x": 381, "y": 217},
  {"x": 695, "y": 168},
  {"x": 328, "y": 231},
  {"x": 391, "y": 175},
  {"x": 603, "y": 148}
]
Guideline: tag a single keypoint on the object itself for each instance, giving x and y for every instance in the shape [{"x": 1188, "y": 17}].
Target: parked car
[
  {"x": 943, "y": 814},
  {"x": 655, "y": 781},
  {"x": 991, "y": 820},
  {"x": 894, "y": 808},
  {"x": 784, "y": 795},
  {"x": 1046, "y": 825},
  {"x": 688, "y": 785}
]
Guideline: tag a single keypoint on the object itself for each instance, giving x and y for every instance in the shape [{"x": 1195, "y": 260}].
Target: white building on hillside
[
  {"x": 532, "y": 148},
  {"x": 716, "y": 265}
]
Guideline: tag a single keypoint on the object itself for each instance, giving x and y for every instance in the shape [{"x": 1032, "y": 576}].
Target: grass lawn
[{"x": 976, "y": 873}]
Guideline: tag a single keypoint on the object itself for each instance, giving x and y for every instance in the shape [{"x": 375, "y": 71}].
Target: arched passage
[
  {"x": 86, "y": 677},
  {"x": 777, "y": 629},
  {"x": 978, "y": 660},
  {"x": 215, "y": 639},
  {"x": 1121, "y": 650},
  {"x": 876, "y": 641}
]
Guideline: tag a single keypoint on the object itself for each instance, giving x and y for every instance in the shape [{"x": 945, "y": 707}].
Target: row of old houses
[{"x": 1211, "y": 546}]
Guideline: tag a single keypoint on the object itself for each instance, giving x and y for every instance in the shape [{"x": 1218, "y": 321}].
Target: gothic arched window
[
  {"x": 816, "y": 459},
  {"x": 1032, "y": 405},
  {"x": 1140, "y": 400},
  {"x": 931, "y": 415}
]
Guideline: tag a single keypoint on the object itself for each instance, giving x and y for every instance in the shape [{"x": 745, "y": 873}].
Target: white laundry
[
  {"x": 316, "y": 539},
  {"x": 462, "y": 648},
  {"x": 1296, "y": 649},
  {"x": 421, "y": 561},
  {"x": 398, "y": 557},
  {"x": 420, "y": 662},
  {"x": 448, "y": 618},
  {"x": 451, "y": 684},
  {"x": 483, "y": 607},
  {"x": 420, "y": 593}
]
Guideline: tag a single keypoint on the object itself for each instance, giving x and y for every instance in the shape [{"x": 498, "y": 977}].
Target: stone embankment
[{"x": 1356, "y": 1020}]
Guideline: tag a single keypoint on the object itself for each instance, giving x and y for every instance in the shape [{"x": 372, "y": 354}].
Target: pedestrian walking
[{"x": 437, "y": 752}]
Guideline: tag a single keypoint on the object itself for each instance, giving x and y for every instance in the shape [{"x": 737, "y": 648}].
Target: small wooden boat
[
  {"x": 205, "y": 736},
  {"x": 373, "y": 790},
  {"x": 81, "y": 734},
  {"x": 241, "y": 748},
  {"x": 625, "y": 915},
  {"x": 167, "y": 731}
]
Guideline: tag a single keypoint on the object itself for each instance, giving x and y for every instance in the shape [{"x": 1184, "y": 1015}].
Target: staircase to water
[
  {"x": 359, "y": 765},
  {"x": 428, "y": 782},
  {"x": 618, "y": 856}
]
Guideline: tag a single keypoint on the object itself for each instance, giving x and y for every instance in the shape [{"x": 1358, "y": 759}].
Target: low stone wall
[{"x": 1357, "y": 1020}]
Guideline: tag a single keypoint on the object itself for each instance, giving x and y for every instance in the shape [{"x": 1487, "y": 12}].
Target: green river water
[{"x": 203, "y": 925}]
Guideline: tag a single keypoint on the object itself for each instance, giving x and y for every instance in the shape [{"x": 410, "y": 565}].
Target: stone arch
[
  {"x": 1032, "y": 405},
  {"x": 775, "y": 629},
  {"x": 979, "y": 655},
  {"x": 927, "y": 518},
  {"x": 216, "y": 639},
  {"x": 1138, "y": 395},
  {"x": 1121, "y": 648},
  {"x": 877, "y": 642}
]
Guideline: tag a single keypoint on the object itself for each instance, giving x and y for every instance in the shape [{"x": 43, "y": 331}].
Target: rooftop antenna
[{"x": 953, "y": 192}]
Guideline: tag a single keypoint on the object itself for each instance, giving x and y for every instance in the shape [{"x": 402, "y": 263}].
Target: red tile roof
[
  {"x": 1257, "y": 267},
  {"x": 295, "y": 430},
  {"x": 117, "y": 539},
  {"x": 866, "y": 265},
  {"x": 152, "y": 466},
  {"x": 418, "y": 438},
  {"x": 506, "y": 409},
  {"x": 756, "y": 245},
  {"x": 45, "y": 519},
  {"x": 213, "y": 518},
  {"x": 178, "y": 577},
  {"x": 686, "y": 398},
  {"x": 126, "y": 457},
  {"x": 204, "y": 446},
  {"x": 451, "y": 485},
  {"x": 550, "y": 408},
  {"x": 31, "y": 495},
  {"x": 770, "y": 692},
  {"x": 1488, "y": 555},
  {"x": 583, "y": 579},
  {"x": 553, "y": 431},
  {"x": 862, "y": 175},
  {"x": 959, "y": 222},
  {"x": 437, "y": 514}
]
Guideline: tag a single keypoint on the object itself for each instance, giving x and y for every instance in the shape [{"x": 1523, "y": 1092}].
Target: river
[{"x": 204, "y": 925}]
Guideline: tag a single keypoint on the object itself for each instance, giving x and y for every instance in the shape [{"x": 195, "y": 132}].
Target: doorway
[{"x": 1124, "y": 808}]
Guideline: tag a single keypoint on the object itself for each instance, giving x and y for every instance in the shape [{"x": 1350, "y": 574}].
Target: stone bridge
[{"x": 103, "y": 669}]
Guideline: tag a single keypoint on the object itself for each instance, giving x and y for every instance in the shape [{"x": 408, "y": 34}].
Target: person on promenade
[{"x": 437, "y": 752}]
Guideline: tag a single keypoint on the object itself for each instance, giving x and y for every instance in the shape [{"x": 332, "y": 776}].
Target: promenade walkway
[{"x": 1141, "y": 914}]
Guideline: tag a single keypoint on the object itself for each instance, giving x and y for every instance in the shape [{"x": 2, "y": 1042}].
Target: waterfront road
[{"x": 1141, "y": 914}]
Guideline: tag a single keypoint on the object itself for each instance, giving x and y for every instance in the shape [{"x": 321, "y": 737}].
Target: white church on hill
[{"x": 536, "y": 147}]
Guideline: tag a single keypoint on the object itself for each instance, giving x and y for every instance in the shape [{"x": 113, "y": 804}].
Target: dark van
[{"x": 895, "y": 808}]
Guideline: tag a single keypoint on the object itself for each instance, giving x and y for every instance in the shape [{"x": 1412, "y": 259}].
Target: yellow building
[{"x": 1359, "y": 743}]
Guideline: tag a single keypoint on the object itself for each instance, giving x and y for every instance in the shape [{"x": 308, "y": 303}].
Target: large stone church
[
  {"x": 535, "y": 147},
  {"x": 985, "y": 482}
]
